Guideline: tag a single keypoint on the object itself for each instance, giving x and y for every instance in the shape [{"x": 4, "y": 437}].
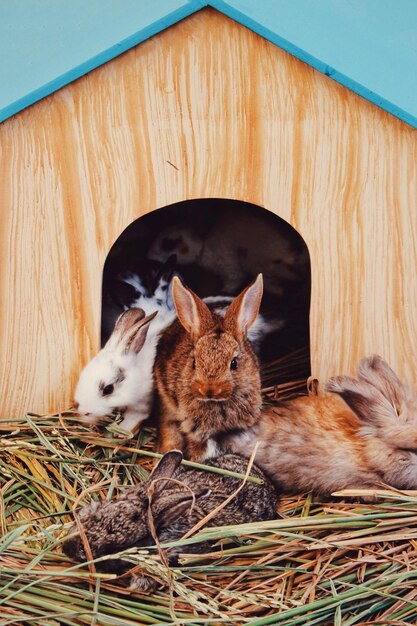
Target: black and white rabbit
[
  {"x": 149, "y": 290},
  {"x": 175, "y": 498}
]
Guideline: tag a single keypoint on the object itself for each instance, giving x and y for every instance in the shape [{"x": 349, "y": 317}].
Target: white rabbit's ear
[
  {"x": 244, "y": 309},
  {"x": 130, "y": 331},
  {"x": 193, "y": 313},
  {"x": 375, "y": 371},
  {"x": 165, "y": 468},
  {"x": 140, "y": 330},
  {"x": 127, "y": 319}
]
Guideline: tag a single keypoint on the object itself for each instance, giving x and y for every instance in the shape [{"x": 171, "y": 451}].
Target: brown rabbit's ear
[
  {"x": 165, "y": 468},
  {"x": 375, "y": 371},
  {"x": 168, "y": 507},
  {"x": 364, "y": 400},
  {"x": 244, "y": 309},
  {"x": 192, "y": 312}
]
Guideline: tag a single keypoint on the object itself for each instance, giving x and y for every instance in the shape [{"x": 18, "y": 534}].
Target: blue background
[{"x": 368, "y": 45}]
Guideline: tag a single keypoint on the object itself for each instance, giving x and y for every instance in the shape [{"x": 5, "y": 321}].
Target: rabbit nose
[
  {"x": 216, "y": 391},
  {"x": 207, "y": 390},
  {"x": 200, "y": 389}
]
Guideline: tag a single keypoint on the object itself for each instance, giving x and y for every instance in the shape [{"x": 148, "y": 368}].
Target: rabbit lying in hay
[
  {"x": 362, "y": 435},
  {"x": 172, "y": 500}
]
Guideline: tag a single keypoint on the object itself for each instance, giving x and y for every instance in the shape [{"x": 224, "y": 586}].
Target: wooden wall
[{"x": 205, "y": 109}]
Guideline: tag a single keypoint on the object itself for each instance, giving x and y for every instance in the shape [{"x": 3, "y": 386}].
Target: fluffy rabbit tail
[{"x": 387, "y": 408}]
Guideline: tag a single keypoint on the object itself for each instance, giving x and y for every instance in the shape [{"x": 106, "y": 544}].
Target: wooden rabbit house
[{"x": 125, "y": 110}]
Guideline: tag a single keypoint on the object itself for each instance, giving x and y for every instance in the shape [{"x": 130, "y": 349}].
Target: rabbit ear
[
  {"x": 130, "y": 331},
  {"x": 127, "y": 319},
  {"x": 121, "y": 292},
  {"x": 244, "y": 309},
  {"x": 375, "y": 371},
  {"x": 192, "y": 312},
  {"x": 140, "y": 331},
  {"x": 165, "y": 468},
  {"x": 364, "y": 399},
  {"x": 168, "y": 507},
  {"x": 166, "y": 270}
]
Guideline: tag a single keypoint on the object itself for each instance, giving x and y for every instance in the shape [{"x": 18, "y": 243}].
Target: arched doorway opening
[{"x": 217, "y": 247}]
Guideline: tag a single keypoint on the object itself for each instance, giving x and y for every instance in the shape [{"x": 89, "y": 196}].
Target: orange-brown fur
[
  {"x": 309, "y": 443},
  {"x": 200, "y": 394},
  {"x": 320, "y": 443}
]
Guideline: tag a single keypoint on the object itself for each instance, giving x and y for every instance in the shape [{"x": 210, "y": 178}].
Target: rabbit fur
[
  {"x": 363, "y": 434},
  {"x": 156, "y": 295},
  {"x": 227, "y": 249},
  {"x": 206, "y": 372},
  {"x": 132, "y": 394},
  {"x": 119, "y": 379},
  {"x": 150, "y": 290},
  {"x": 175, "y": 498}
]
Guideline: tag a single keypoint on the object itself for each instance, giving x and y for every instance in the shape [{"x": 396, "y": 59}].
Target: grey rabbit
[{"x": 177, "y": 499}]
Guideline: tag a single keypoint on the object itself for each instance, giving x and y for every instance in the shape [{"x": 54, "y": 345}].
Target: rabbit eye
[
  {"x": 193, "y": 364},
  {"x": 233, "y": 364},
  {"x": 107, "y": 390}
]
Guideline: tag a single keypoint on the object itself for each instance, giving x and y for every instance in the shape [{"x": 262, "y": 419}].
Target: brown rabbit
[
  {"x": 325, "y": 443},
  {"x": 206, "y": 372},
  {"x": 177, "y": 498}
]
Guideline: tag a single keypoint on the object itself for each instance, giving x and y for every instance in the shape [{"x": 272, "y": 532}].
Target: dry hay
[{"x": 334, "y": 562}]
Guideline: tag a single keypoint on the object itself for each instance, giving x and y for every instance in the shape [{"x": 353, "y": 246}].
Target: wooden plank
[{"x": 240, "y": 119}]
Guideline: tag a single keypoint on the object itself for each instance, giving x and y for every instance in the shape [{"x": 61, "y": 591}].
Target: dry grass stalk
[{"x": 334, "y": 562}]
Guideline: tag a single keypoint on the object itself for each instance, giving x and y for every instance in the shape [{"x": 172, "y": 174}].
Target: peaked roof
[{"x": 370, "y": 46}]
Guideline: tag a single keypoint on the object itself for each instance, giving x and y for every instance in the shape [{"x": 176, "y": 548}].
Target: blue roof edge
[
  {"x": 172, "y": 18},
  {"x": 333, "y": 73},
  {"x": 156, "y": 27}
]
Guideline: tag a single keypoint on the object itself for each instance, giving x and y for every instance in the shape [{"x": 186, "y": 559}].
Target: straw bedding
[{"x": 333, "y": 562}]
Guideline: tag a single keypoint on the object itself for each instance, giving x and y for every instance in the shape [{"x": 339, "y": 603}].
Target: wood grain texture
[{"x": 239, "y": 118}]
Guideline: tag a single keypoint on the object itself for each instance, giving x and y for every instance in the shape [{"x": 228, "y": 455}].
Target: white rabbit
[{"x": 119, "y": 379}]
